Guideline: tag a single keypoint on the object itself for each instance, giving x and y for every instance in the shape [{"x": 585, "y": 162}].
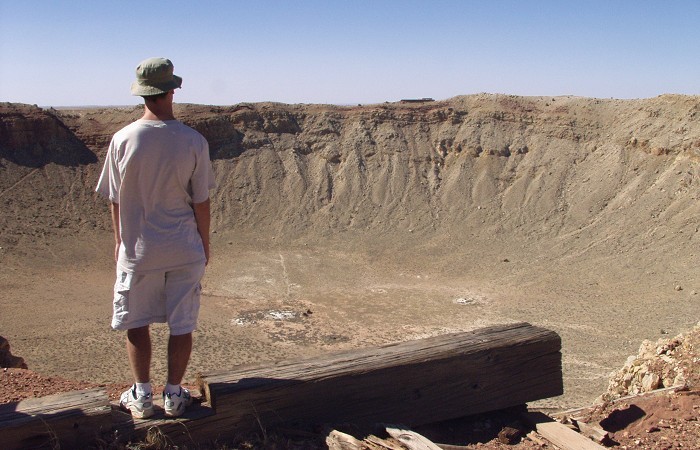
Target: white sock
[
  {"x": 172, "y": 389},
  {"x": 143, "y": 389}
]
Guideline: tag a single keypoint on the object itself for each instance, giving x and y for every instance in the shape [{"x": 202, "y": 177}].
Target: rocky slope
[{"x": 662, "y": 364}]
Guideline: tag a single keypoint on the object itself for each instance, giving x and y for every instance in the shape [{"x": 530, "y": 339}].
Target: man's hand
[
  {"x": 117, "y": 234},
  {"x": 206, "y": 252},
  {"x": 202, "y": 216}
]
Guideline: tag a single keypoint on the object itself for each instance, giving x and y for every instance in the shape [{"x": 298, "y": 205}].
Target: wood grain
[{"x": 413, "y": 382}]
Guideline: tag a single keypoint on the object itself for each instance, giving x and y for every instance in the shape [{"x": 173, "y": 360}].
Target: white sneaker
[
  {"x": 175, "y": 404},
  {"x": 141, "y": 407}
]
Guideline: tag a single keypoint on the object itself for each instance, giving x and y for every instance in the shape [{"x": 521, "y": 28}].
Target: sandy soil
[{"x": 256, "y": 306}]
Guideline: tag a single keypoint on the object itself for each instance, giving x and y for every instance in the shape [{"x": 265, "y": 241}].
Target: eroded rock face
[
  {"x": 7, "y": 360},
  {"x": 537, "y": 167},
  {"x": 33, "y": 137}
]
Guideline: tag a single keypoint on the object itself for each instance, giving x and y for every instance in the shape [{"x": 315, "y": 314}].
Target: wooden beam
[
  {"x": 66, "y": 420},
  {"x": 413, "y": 382}
]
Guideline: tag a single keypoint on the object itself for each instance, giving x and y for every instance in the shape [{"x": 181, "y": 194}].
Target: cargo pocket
[
  {"x": 194, "y": 304},
  {"x": 121, "y": 300}
]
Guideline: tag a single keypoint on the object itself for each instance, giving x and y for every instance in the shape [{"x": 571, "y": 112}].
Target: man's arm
[
  {"x": 115, "y": 226},
  {"x": 202, "y": 216}
]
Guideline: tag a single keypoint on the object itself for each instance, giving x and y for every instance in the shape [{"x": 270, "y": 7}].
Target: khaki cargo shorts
[{"x": 159, "y": 297}]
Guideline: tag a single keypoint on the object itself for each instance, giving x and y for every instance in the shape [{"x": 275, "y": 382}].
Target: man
[{"x": 157, "y": 175}]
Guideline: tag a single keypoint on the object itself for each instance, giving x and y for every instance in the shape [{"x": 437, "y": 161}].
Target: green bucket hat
[{"x": 155, "y": 76}]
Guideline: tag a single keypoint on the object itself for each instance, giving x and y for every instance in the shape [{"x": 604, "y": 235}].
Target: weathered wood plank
[
  {"x": 382, "y": 443},
  {"x": 337, "y": 440},
  {"x": 411, "y": 439},
  {"x": 593, "y": 431},
  {"x": 67, "y": 420},
  {"x": 534, "y": 437},
  {"x": 51, "y": 403},
  {"x": 559, "y": 434},
  {"x": 410, "y": 382},
  {"x": 179, "y": 430}
]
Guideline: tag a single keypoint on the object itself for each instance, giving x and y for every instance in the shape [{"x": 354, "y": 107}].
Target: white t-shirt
[{"x": 155, "y": 170}]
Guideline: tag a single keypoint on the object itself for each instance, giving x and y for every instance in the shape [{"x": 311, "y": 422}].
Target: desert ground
[
  {"x": 256, "y": 306},
  {"x": 346, "y": 227}
]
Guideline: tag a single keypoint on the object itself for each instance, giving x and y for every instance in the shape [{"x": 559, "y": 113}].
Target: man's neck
[{"x": 158, "y": 111}]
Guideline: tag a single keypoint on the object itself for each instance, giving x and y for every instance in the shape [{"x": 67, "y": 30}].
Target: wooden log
[
  {"x": 66, "y": 420},
  {"x": 559, "y": 434},
  {"x": 414, "y": 382}
]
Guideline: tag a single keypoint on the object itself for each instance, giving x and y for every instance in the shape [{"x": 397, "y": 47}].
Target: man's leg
[
  {"x": 182, "y": 292},
  {"x": 131, "y": 310},
  {"x": 138, "y": 346},
  {"x": 182, "y": 289},
  {"x": 138, "y": 400},
  {"x": 179, "y": 350}
]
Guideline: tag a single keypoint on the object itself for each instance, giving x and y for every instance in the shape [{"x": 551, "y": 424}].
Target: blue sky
[{"x": 65, "y": 53}]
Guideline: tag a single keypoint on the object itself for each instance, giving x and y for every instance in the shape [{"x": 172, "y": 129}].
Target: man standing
[{"x": 157, "y": 176}]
